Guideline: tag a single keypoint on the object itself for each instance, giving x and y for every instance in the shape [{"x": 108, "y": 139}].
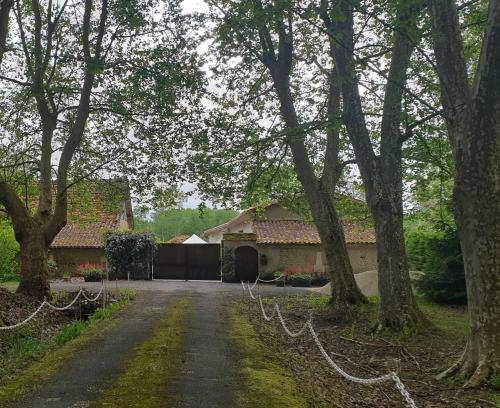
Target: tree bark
[
  {"x": 381, "y": 174},
  {"x": 4, "y": 24},
  {"x": 344, "y": 289},
  {"x": 471, "y": 115},
  {"x": 33, "y": 258},
  {"x": 345, "y": 292}
]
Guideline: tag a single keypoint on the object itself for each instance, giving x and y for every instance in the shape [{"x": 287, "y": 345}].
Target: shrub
[
  {"x": 92, "y": 272},
  {"x": 318, "y": 280},
  {"x": 130, "y": 254},
  {"x": 227, "y": 266},
  {"x": 299, "y": 279},
  {"x": 8, "y": 252},
  {"x": 438, "y": 255},
  {"x": 52, "y": 265}
]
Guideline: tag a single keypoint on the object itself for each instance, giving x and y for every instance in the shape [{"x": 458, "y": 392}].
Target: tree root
[{"x": 474, "y": 373}]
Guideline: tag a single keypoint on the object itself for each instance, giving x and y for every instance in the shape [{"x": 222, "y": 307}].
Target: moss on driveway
[
  {"x": 150, "y": 365},
  {"x": 265, "y": 383},
  {"x": 21, "y": 383}
]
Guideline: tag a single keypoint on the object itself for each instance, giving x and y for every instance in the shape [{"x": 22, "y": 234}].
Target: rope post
[
  {"x": 43, "y": 320},
  {"x": 80, "y": 304},
  {"x": 103, "y": 295}
]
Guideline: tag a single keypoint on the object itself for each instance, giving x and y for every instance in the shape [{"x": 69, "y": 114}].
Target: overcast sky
[{"x": 191, "y": 6}]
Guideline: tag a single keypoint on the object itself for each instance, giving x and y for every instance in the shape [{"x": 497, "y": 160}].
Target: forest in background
[{"x": 169, "y": 223}]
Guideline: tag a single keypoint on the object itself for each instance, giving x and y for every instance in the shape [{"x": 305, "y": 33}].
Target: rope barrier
[
  {"x": 308, "y": 326},
  {"x": 57, "y": 308}
]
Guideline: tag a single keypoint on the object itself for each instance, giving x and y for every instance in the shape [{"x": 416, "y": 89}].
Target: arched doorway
[{"x": 246, "y": 265}]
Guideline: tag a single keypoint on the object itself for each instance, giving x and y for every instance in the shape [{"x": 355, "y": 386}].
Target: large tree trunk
[
  {"x": 381, "y": 173},
  {"x": 476, "y": 199},
  {"x": 33, "y": 262},
  {"x": 345, "y": 291},
  {"x": 5, "y": 7},
  {"x": 398, "y": 307},
  {"x": 471, "y": 115}
]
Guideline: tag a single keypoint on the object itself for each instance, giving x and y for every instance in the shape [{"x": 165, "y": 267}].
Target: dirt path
[{"x": 93, "y": 367}]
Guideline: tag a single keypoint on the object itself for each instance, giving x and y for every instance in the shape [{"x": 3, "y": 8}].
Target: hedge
[{"x": 130, "y": 254}]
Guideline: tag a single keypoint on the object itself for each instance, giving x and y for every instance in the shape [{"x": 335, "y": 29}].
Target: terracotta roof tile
[
  {"x": 83, "y": 235},
  {"x": 301, "y": 232}
]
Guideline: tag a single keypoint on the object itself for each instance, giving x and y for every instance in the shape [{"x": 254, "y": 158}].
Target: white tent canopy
[{"x": 194, "y": 239}]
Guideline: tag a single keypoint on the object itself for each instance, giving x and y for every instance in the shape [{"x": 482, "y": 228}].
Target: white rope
[
  {"x": 25, "y": 320},
  {"x": 94, "y": 298},
  {"x": 259, "y": 279},
  {"x": 308, "y": 325},
  {"x": 250, "y": 291},
  {"x": 271, "y": 280},
  {"x": 45, "y": 303},
  {"x": 290, "y": 333},
  {"x": 67, "y": 306},
  {"x": 266, "y": 317}
]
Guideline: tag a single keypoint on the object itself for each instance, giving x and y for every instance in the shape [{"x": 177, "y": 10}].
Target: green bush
[
  {"x": 318, "y": 280},
  {"x": 299, "y": 279},
  {"x": 437, "y": 254},
  {"x": 130, "y": 254},
  {"x": 8, "y": 251},
  {"x": 92, "y": 273},
  {"x": 227, "y": 266}
]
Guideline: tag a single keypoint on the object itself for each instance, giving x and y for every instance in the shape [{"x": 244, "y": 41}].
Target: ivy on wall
[{"x": 227, "y": 266}]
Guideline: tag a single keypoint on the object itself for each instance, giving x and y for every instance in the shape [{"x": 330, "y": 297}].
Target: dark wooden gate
[
  {"x": 187, "y": 261},
  {"x": 246, "y": 265}
]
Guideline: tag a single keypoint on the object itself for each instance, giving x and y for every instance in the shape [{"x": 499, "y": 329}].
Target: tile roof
[
  {"x": 301, "y": 232},
  {"x": 83, "y": 235},
  {"x": 90, "y": 215}
]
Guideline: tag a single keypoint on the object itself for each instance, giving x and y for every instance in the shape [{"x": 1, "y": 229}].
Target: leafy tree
[
  {"x": 278, "y": 115},
  {"x": 87, "y": 88},
  {"x": 380, "y": 160},
  {"x": 471, "y": 100},
  {"x": 8, "y": 252}
]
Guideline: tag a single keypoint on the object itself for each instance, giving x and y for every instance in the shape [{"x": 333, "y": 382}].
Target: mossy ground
[
  {"x": 265, "y": 383},
  {"x": 55, "y": 352},
  {"x": 10, "y": 286},
  {"x": 150, "y": 365}
]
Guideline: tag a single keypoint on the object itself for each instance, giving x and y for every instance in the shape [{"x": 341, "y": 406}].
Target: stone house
[
  {"x": 276, "y": 239},
  {"x": 81, "y": 241}
]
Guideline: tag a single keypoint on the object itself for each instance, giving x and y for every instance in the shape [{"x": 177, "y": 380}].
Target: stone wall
[
  {"x": 68, "y": 259},
  {"x": 305, "y": 258}
]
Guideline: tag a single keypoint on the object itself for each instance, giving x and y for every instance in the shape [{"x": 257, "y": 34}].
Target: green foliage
[
  {"x": 299, "y": 279},
  {"x": 52, "y": 266},
  {"x": 227, "y": 266},
  {"x": 186, "y": 221},
  {"x": 437, "y": 253},
  {"x": 130, "y": 254},
  {"x": 8, "y": 251},
  {"x": 70, "y": 331},
  {"x": 92, "y": 274}
]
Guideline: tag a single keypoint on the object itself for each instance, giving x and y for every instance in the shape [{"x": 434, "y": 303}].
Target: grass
[
  {"x": 46, "y": 356},
  {"x": 151, "y": 364},
  {"x": 265, "y": 383},
  {"x": 11, "y": 286}
]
